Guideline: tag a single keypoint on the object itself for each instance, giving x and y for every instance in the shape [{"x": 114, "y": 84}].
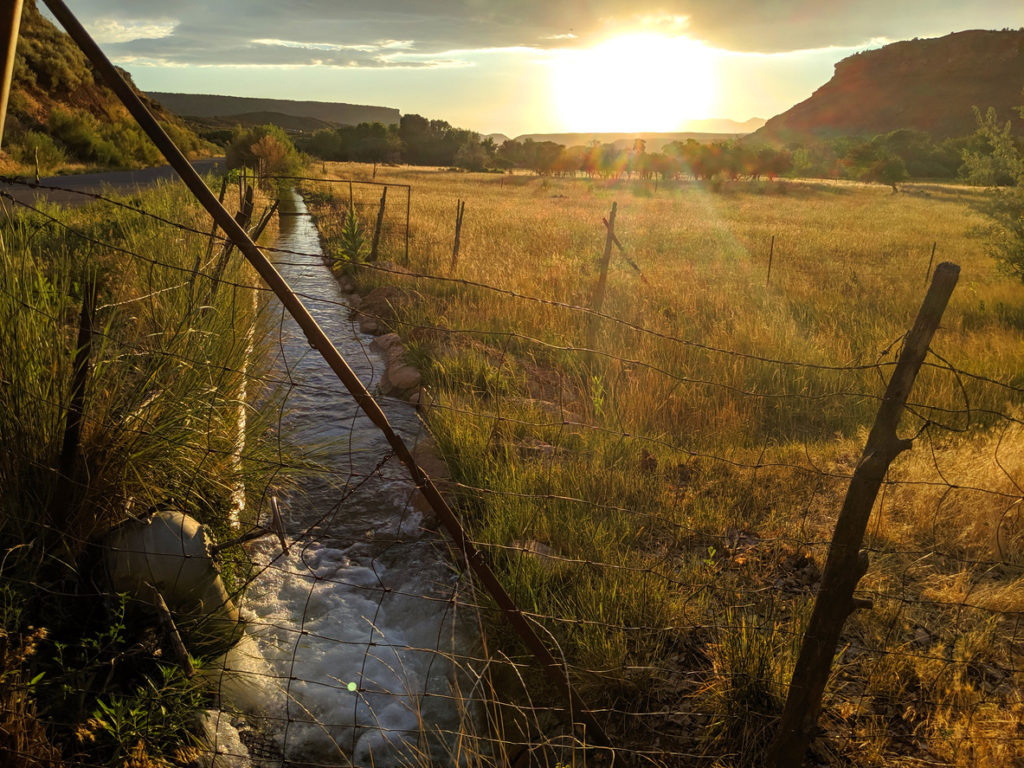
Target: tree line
[{"x": 887, "y": 158}]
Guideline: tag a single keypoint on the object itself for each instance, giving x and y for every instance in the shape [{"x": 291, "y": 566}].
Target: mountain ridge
[
  {"x": 204, "y": 105},
  {"x": 925, "y": 84}
]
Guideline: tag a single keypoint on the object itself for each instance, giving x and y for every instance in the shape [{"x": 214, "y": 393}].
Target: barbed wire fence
[
  {"x": 661, "y": 578},
  {"x": 929, "y": 676}
]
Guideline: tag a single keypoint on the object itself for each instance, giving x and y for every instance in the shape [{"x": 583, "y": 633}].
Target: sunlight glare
[{"x": 636, "y": 82}]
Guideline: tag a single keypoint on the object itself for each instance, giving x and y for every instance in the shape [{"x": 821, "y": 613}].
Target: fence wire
[{"x": 667, "y": 556}]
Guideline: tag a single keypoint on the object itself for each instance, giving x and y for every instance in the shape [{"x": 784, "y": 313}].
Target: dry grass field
[{"x": 662, "y": 503}]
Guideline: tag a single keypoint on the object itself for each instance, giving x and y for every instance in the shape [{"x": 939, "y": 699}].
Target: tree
[
  {"x": 1005, "y": 207},
  {"x": 993, "y": 158},
  {"x": 265, "y": 148}
]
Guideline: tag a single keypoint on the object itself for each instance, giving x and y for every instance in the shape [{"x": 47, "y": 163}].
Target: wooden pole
[
  {"x": 408, "y": 209},
  {"x": 931, "y": 260},
  {"x": 625, "y": 256},
  {"x": 846, "y": 563},
  {"x": 771, "y": 254},
  {"x": 380, "y": 224},
  {"x": 10, "y": 23},
  {"x": 318, "y": 340},
  {"x": 460, "y": 209},
  {"x": 602, "y": 281},
  {"x": 76, "y": 408}
]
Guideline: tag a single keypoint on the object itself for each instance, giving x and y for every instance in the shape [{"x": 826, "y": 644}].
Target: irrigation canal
[{"x": 349, "y": 632}]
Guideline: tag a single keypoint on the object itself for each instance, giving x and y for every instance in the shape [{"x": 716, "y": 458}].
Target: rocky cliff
[{"x": 929, "y": 85}]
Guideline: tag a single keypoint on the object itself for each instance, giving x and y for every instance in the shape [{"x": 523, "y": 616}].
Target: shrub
[{"x": 39, "y": 148}]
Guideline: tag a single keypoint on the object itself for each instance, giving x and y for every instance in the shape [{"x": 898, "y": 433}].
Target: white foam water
[{"x": 347, "y": 656}]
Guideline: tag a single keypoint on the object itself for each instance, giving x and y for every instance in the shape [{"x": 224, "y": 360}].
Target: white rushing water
[{"x": 345, "y": 660}]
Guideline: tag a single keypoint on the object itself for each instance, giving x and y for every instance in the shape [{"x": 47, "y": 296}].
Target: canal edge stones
[{"x": 400, "y": 379}]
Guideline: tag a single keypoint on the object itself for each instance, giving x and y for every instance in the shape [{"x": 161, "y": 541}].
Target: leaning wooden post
[
  {"x": 380, "y": 224},
  {"x": 318, "y": 340},
  {"x": 602, "y": 281},
  {"x": 460, "y": 210},
  {"x": 771, "y": 254},
  {"x": 846, "y": 563},
  {"x": 931, "y": 260},
  {"x": 10, "y": 23}
]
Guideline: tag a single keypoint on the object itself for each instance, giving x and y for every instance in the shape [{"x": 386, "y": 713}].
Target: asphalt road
[{"x": 117, "y": 181}]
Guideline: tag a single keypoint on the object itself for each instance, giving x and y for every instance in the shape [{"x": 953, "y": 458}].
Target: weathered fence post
[
  {"x": 10, "y": 23},
  {"x": 61, "y": 499},
  {"x": 931, "y": 260},
  {"x": 622, "y": 252},
  {"x": 380, "y": 223},
  {"x": 408, "y": 210},
  {"x": 771, "y": 254},
  {"x": 846, "y": 563},
  {"x": 460, "y": 209},
  {"x": 602, "y": 281}
]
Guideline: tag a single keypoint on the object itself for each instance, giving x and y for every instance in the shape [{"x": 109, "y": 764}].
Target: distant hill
[
  {"x": 929, "y": 85},
  {"x": 236, "y": 108},
  {"x": 497, "y": 138},
  {"x": 655, "y": 141},
  {"x": 290, "y": 123}
]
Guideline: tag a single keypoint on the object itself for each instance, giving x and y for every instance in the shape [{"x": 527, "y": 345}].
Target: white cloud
[{"x": 109, "y": 30}]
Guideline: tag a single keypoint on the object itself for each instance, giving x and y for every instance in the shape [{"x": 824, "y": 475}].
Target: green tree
[
  {"x": 1005, "y": 207},
  {"x": 993, "y": 159},
  {"x": 265, "y": 148}
]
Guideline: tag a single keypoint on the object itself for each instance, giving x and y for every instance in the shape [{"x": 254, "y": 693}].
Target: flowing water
[{"x": 346, "y": 657}]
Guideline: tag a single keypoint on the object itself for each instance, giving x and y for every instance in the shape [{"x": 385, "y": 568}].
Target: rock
[
  {"x": 403, "y": 378},
  {"x": 389, "y": 346},
  {"x": 347, "y": 284},
  {"x": 426, "y": 456},
  {"x": 369, "y": 325}
]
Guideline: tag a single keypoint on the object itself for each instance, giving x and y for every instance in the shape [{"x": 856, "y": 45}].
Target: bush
[
  {"x": 266, "y": 148},
  {"x": 39, "y": 149}
]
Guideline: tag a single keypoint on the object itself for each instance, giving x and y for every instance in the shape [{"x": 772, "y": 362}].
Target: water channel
[{"x": 346, "y": 658}]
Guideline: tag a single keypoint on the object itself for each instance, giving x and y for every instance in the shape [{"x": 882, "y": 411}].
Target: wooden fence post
[
  {"x": 380, "y": 223},
  {"x": 10, "y": 23},
  {"x": 460, "y": 210},
  {"x": 931, "y": 260},
  {"x": 408, "y": 209},
  {"x": 846, "y": 563},
  {"x": 602, "y": 281},
  {"x": 61, "y": 499},
  {"x": 623, "y": 254},
  {"x": 771, "y": 254}
]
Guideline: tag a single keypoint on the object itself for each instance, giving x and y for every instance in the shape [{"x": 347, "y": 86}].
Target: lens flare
[{"x": 636, "y": 82}]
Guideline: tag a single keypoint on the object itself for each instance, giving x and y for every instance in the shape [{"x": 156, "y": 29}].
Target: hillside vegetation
[{"x": 62, "y": 117}]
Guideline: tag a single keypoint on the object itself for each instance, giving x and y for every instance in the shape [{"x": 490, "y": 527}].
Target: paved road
[{"x": 119, "y": 181}]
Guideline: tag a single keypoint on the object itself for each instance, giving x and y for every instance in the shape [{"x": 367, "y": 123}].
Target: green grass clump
[{"x": 170, "y": 361}]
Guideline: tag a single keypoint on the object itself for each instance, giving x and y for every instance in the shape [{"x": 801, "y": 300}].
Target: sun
[{"x": 636, "y": 82}]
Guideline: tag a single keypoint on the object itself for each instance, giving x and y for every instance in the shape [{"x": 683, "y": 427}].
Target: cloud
[
  {"x": 116, "y": 31},
  {"x": 338, "y": 33}
]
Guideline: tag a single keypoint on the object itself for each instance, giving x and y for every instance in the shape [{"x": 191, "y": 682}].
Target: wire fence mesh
[{"x": 658, "y": 505}]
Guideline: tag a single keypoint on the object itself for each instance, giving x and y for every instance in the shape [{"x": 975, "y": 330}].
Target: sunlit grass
[{"x": 677, "y": 488}]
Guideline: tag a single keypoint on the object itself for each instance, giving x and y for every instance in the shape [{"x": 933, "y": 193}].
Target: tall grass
[
  {"x": 664, "y": 504},
  {"x": 159, "y": 427}
]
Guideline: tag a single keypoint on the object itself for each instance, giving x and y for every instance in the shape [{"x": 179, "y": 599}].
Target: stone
[{"x": 404, "y": 378}]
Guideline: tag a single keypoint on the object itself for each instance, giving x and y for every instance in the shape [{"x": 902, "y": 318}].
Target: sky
[{"x": 520, "y": 66}]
